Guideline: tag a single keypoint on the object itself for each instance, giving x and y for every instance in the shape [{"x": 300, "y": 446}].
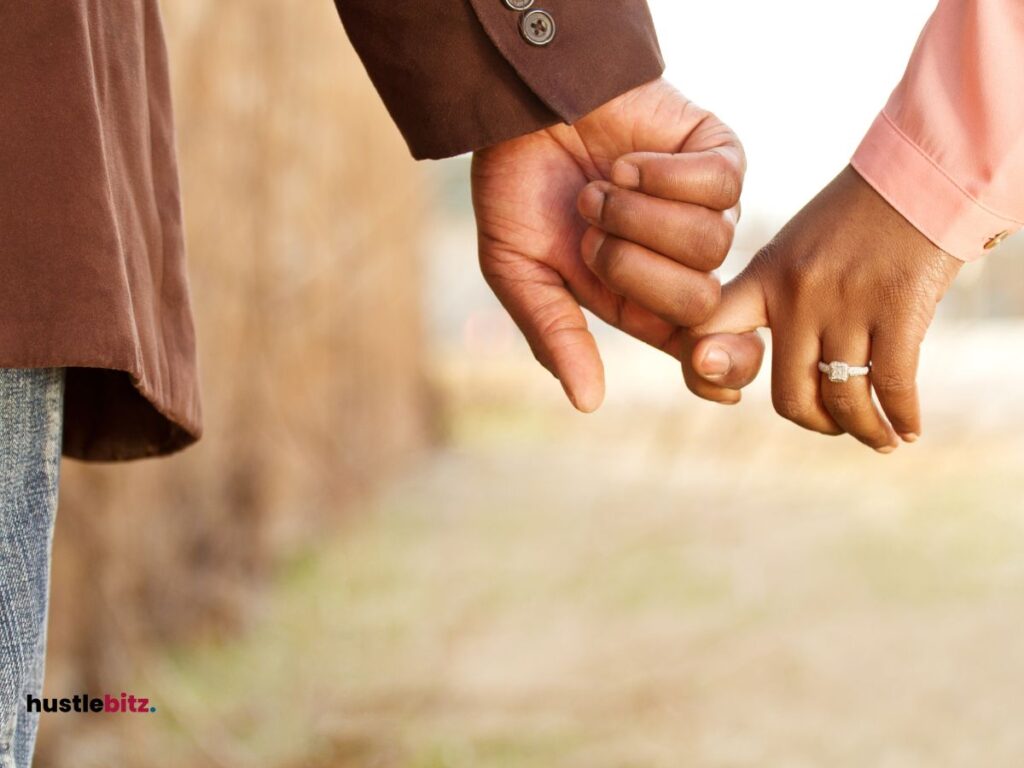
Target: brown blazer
[{"x": 92, "y": 261}]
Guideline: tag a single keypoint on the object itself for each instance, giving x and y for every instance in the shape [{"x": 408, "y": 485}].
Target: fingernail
[
  {"x": 625, "y": 175},
  {"x": 886, "y": 449},
  {"x": 716, "y": 363},
  {"x": 910, "y": 437},
  {"x": 591, "y": 203}
]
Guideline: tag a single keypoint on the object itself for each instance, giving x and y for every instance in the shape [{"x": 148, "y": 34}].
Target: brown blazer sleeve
[{"x": 459, "y": 75}]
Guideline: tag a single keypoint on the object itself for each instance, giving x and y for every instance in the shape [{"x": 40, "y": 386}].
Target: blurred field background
[{"x": 398, "y": 547}]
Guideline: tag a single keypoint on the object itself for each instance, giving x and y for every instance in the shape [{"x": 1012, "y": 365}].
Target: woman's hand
[
  {"x": 848, "y": 279},
  {"x": 530, "y": 231}
]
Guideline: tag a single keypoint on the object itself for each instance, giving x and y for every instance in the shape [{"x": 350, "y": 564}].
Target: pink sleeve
[{"x": 948, "y": 149}]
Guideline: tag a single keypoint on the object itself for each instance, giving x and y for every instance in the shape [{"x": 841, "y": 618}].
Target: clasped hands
[{"x": 628, "y": 212}]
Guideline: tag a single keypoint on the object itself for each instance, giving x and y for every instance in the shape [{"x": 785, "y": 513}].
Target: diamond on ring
[{"x": 840, "y": 372}]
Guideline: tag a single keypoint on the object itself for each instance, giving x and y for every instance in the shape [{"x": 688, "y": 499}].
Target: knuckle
[
  {"x": 787, "y": 270},
  {"x": 725, "y": 184},
  {"x": 804, "y": 287},
  {"x": 731, "y": 187},
  {"x": 549, "y": 318},
  {"x": 791, "y": 407},
  {"x": 725, "y": 230},
  {"x": 712, "y": 238},
  {"x": 700, "y": 301},
  {"x": 842, "y": 405},
  {"x": 893, "y": 384}
]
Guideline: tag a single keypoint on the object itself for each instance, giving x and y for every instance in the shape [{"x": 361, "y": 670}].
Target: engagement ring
[{"x": 841, "y": 372}]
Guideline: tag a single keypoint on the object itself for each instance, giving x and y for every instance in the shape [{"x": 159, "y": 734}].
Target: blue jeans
[{"x": 31, "y": 423}]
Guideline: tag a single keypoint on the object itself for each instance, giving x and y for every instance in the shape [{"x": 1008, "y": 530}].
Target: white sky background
[{"x": 798, "y": 80}]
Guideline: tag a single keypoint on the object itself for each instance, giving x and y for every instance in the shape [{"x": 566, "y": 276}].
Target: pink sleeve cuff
[{"x": 925, "y": 195}]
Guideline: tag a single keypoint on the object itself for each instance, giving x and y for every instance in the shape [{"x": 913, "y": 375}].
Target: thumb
[
  {"x": 553, "y": 323},
  {"x": 725, "y": 354}
]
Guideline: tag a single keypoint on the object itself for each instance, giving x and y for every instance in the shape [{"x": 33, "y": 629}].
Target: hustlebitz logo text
[{"x": 125, "y": 704}]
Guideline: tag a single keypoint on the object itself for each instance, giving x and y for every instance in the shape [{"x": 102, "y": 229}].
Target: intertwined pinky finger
[
  {"x": 720, "y": 365},
  {"x": 725, "y": 354}
]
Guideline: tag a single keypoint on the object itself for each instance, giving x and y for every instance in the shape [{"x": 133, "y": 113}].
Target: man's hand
[
  {"x": 657, "y": 232},
  {"x": 848, "y": 279}
]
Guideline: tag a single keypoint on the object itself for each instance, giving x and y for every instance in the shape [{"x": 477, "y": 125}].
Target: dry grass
[
  {"x": 661, "y": 584},
  {"x": 303, "y": 213}
]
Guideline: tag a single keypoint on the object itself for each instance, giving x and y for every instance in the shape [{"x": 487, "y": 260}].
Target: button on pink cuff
[
  {"x": 925, "y": 195},
  {"x": 947, "y": 151}
]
